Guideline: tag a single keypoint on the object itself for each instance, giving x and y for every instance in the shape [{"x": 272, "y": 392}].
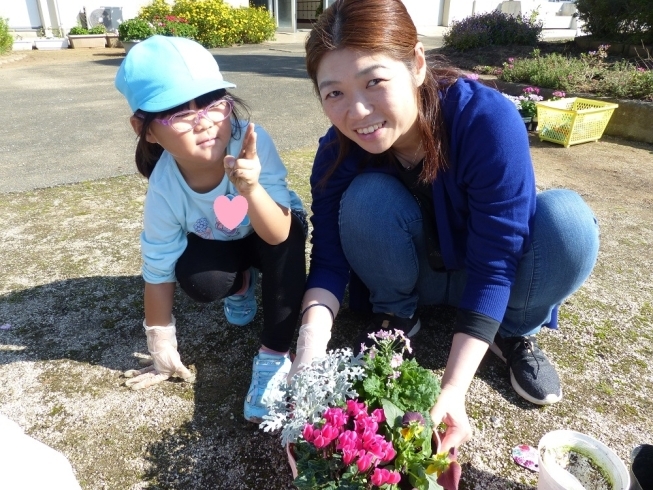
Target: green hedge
[{"x": 618, "y": 20}]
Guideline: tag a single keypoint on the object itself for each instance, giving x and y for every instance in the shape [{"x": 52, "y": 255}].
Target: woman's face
[{"x": 372, "y": 99}]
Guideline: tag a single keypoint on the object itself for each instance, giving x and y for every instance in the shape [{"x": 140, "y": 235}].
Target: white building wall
[{"x": 426, "y": 14}]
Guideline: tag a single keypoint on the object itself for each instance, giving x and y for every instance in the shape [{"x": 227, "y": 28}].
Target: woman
[{"x": 424, "y": 191}]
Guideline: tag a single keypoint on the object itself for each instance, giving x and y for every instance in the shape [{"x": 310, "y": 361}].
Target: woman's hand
[
  {"x": 244, "y": 171},
  {"x": 450, "y": 410}
]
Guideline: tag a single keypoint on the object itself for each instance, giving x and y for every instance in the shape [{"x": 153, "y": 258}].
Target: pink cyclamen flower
[
  {"x": 323, "y": 437},
  {"x": 379, "y": 415},
  {"x": 336, "y": 417},
  {"x": 308, "y": 433},
  {"x": 640, "y": 69},
  {"x": 381, "y": 476},
  {"x": 330, "y": 432},
  {"x": 389, "y": 454},
  {"x": 472, "y": 76},
  {"x": 511, "y": 60},
  {"x": 365, "y": 436},
  {"x": 349, "y": 455},
  {"x": 375, "y": 446},
  {"x": 349, "y": 440},
  {"x": 364, "y": 461},
  {"x": 356, "y": 409},
  {"x": 366, "y": 423},
  {"x": 319, "y": 441}
]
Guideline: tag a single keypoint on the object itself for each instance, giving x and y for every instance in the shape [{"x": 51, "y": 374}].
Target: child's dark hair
[{"x": 147, "y": 154}]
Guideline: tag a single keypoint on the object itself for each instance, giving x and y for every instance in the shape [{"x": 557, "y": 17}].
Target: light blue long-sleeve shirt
[{"x": 173, "y": 209}]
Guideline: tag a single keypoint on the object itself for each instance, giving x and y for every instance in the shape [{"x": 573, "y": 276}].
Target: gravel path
[{"x": 71, "y": 310}]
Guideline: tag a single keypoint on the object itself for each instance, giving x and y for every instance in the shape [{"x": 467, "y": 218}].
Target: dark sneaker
[
  {"x": 531, "y": 373},
  {"x": 383, "y": 321}
]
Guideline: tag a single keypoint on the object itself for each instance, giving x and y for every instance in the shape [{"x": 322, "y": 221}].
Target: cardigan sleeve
[{"x": 329, "y": 268}]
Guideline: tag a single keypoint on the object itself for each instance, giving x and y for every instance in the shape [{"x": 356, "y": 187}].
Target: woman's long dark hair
[
  {"x": 147, "y": 154},
  {"x": 384, "y": 27}
]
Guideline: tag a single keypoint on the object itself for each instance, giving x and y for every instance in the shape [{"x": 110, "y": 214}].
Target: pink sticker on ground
[{"x": 526, "y": 456}]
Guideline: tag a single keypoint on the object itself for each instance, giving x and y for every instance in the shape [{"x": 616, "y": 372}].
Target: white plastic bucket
[{"x": 553, "y": 477}]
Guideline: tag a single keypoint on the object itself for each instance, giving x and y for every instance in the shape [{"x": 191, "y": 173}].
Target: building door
[{"x": 285, "y": 13}]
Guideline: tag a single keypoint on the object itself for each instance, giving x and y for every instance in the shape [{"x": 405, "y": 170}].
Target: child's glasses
[{"x": 185, "y": 121}]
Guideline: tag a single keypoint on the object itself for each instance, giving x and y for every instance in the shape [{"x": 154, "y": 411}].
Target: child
[{"x": 194, "y": 149}]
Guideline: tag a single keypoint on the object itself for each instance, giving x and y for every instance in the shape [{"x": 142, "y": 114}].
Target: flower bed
[{"x": 361, "y": 422}]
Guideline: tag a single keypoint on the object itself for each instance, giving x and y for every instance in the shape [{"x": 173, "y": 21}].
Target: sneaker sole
[
  {"x": 549, "y": 400},
  {"x": 254, "y": 420}
]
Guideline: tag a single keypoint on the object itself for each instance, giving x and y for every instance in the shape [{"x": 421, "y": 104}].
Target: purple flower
[{"x": 412, "y": 417}]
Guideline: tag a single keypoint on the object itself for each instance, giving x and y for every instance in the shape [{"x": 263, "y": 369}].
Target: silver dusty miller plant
[{"x": 327, "y": 382}]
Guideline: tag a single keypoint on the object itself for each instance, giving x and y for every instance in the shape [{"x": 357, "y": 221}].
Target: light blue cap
[{"x": 163, "y": 72}]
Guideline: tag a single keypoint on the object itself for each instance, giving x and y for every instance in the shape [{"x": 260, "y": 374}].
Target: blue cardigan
[{"x": 484, "y": 203}]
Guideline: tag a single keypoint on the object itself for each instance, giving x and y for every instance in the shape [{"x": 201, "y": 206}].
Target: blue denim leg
[
  {"x": 382, "y": 237},
  {"x": 563, "y": 251}
]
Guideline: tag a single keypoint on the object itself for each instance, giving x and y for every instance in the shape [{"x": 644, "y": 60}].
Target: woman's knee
[{"x": 567, "y": 224}]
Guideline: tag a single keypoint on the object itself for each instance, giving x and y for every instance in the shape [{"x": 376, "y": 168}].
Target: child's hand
[
  {"x": 244, "y": 171},
  {"x": 162, "y": 344}
]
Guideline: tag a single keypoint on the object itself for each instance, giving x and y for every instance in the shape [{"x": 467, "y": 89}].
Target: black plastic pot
[{"x": 642, "y": 468}]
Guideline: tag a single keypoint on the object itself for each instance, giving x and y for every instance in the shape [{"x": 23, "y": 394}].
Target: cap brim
[{"x": 173, "y": 98}]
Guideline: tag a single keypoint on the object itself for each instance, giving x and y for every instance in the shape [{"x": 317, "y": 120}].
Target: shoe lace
[
  {"x": 527, "y": 344},
  {"x": 264, "y": 377}
]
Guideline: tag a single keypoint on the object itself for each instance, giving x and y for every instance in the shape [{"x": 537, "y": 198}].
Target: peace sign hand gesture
[{"x": 244, "y": 171}]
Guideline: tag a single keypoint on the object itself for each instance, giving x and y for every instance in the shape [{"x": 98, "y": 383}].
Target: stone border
[{"x": 632, "y": 120}]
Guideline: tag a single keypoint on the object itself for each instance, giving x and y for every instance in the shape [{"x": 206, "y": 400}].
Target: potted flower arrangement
[
  {"x": 361, "y": 422},
  {"x": 526, "y": 104},
  {"x": 80, "y": 37},
  {"x": 133, "y": 31}
]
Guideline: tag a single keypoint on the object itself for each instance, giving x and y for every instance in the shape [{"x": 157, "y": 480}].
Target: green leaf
[
  {"x": 393, "y": 413},
  {"x": 432, "y": 482}
]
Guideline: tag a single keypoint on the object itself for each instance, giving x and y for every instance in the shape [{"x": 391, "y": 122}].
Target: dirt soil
[{"x": 71, "y": 314}]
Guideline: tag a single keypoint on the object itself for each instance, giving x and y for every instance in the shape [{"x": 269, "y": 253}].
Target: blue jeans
[{"x": 382, "y": 237}]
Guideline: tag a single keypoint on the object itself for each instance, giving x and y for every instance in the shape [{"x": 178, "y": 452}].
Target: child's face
[{"x": 203, "y": 146}]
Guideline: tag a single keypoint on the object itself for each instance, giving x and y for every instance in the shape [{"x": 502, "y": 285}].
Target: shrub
[
  {"x": 588, "y": 73},
  {"x": 174, "y": 26},
  {"x": 256, "y": 25},
  {"x": 6, "y": 41},
  {"x": 617, "y": 20},
  {"x": 493, "y": 28},
  {"x": 135, "y": 29},
  {"x": 158, "y": 9},
  {"x": 220, "y": 25}
]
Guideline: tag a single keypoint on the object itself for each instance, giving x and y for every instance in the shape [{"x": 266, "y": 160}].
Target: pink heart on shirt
[{"x": 230, "y": 212}]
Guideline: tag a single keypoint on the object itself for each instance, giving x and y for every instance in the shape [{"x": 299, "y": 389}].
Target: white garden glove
[
  {"x": 311, "y": 344},
  {"x": 162, "y": 344}
]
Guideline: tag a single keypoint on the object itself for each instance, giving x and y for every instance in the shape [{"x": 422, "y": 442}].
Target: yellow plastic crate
[{"x": 573, "y": 120}]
